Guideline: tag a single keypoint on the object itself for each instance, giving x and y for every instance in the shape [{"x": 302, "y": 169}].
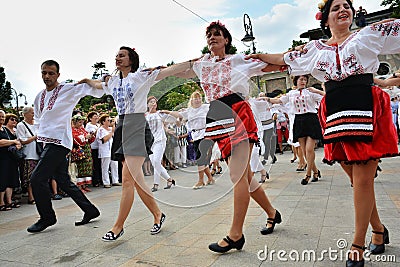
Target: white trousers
[
  {"x": 255, "y": 162},
  {"x": 158, "y": 149},
  {"x": 107, "y": 163},
  {"x": 180, "y": 154}
]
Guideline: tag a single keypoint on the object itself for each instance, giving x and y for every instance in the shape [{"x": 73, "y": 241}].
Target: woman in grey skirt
[{"x": 129, "y": 89}]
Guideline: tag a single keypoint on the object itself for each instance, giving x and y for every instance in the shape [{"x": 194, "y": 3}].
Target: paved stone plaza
[{"x": 316, "y": 217}]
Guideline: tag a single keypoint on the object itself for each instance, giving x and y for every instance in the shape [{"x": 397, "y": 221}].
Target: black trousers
[
  {"x": 53, "y": 164},
  {"x": 96, "y": 178}
]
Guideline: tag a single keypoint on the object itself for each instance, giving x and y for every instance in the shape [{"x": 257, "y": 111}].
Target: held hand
[
  {"x": 85, "y": 80},
  {"x": 271, "y": 67},
  {"x": 18, "y": 144},
  {"x": 88, "y": 136}
]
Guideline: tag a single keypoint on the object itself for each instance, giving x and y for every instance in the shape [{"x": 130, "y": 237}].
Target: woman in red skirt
[
  {"x": 230, "y": 122},
  {"x": 355, "y": 116}
]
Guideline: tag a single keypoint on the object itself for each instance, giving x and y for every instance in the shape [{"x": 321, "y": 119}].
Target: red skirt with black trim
[
  {"x": 384, "y": 140},
  {"x": 245, "y": 129}
]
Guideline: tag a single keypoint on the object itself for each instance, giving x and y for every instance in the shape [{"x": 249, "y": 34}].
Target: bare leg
[
  {"x": 364, "y": 201},
  {"x": 239, "y": 170},
  {"x": 127, "y": 197},
  {"x": 300, "y": 155},
  {"x": 134, "y": 163}
]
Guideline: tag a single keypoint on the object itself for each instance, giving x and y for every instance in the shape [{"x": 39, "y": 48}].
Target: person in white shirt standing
[
  {"x": 53, "y": 109},
  {"x": 104, "y": 138},
  {"x": 26, "y": 133}
]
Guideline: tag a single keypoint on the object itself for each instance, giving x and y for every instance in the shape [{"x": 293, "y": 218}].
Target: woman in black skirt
[{"x": 306, "y": 128}]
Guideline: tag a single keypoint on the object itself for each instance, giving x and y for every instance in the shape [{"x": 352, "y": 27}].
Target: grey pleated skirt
[{"x": 132, "y": 137}]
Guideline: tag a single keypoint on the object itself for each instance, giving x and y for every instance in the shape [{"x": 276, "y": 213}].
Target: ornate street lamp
[
  {"x": 22, "y": 95},
  {"x": 249, "y": 38}
]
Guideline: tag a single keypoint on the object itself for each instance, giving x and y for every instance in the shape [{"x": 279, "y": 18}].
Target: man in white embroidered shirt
[{"x": 53, "y": 109}]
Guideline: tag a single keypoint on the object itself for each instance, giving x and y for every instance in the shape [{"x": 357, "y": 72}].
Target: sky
[{"x": 79, "y": 33}]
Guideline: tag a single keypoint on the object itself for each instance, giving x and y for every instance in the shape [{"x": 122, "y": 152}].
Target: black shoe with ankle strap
[
  {"x": 354, "y": 263},
  {"x": 379, "y": 249},
  {"x": 231, "y": 244},
  {"x": 316, "y": 175},
  {"x": 305, "y": 180},
  {"x": 276, "y": 220}
]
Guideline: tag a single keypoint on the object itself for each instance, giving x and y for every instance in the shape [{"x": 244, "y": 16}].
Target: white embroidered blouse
[
  {"x": 301, "y": 101},
  {"x": 226, "y": 76},
  {"x": 130, "y": 94},
  {"x": 53, "y": 111},
  {"x": 357, "y": 55}
]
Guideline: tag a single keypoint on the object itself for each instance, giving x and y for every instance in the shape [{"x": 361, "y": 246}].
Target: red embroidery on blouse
[
  {"x": 216, "y": 80},
  {"x": 52, "y": 100}
]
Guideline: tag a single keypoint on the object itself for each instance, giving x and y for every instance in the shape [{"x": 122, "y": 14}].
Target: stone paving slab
[{"x": 315, "y": 217}]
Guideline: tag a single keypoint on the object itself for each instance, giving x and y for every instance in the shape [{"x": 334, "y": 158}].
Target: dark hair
[
  {"x": 133, "y": 57},
  {"x": 296, "y": 78},
  {"x": 103, "y": 118},
  {"x": 325, "y": 15},
  {"x": 9, "y": 116},
  {"x": 51, "y": 62},
  {"x": 220, "y": 27},
  {"x": 91, "y": 114}
]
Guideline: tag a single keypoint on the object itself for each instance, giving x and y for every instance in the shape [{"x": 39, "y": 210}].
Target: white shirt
[
  {"x": 301, "y": 101},
  {"x": 23, "y": 134},
  {"x": 227, "y": 76},
  {"x": 104, "y": 148},
  {"x": 156, "y": 124},
  {"x": 358, "y": 54},
  {"x": 196, "y": 120},
  {"x": 53, "y": 112},
  {"x": 131, "y": 96},
  {"x": 262, "y": 112},
  {"x": 92, "y": 128}
]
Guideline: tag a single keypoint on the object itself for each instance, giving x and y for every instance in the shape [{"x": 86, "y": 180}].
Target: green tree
[
  {"x": 296, "y": 43},
  {"x": 99, "y": 70},
  {"x": 5, "y": 88},
  {"x": 395, "y": 4}
]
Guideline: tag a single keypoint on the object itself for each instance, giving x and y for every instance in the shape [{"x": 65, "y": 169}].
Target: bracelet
[
  {"x": 190, "y": 63},
  {"x": 394, "y": 75}
]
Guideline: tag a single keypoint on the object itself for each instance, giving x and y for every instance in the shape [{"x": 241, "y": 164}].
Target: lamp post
[
  {"x": 249, "y": 38},
  {"x": 22, "y": 95},
  {"x": 16, "y": 96}
]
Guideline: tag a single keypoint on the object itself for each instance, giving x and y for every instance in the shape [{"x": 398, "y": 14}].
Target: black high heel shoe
[
  {"x": 316, "y": 175},
  {"x": 273, "y": 221},
  {"x": 354, "y": 263},
  {"x": 231, "y": 244},
  {"x": 305, "y": 180},
  {"x": 379, "y": 249},
  {"x": 169, "y": 184}
]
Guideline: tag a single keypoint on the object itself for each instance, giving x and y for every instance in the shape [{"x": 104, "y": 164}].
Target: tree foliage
[
  {"x": 296, "y": 43},
  {"x": 395, "y": 4},
  {"x": 178, "y": 97},
  {"x": 5, "y": 88}
]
